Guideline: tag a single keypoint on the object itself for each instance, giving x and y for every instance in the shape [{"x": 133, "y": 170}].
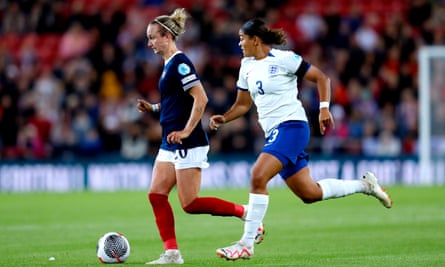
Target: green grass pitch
[{"x": 352, "y": 231}]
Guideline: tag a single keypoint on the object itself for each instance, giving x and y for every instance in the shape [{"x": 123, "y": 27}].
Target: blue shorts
[{"x": 287, "y": 142}]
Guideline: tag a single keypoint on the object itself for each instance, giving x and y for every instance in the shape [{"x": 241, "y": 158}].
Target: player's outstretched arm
[{"x": 241, "y": 106}]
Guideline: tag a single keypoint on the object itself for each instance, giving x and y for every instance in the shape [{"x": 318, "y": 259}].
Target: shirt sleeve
[
  {"x": 241, "y": 84},
  {"x": 187, "y": 74},
  {"x": 291, "y": 62},
  {"x": 301, "y": 71}
]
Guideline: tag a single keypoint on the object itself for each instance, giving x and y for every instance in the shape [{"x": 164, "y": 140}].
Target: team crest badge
[
  {"x": 273, "y": 69},
  {"x": 183, "y": 69}
]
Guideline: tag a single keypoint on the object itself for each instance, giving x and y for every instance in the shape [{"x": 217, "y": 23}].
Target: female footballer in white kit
[{"x": 268, "y": 77}]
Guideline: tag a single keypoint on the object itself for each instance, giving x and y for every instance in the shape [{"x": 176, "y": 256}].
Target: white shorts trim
[{"x": 185, "y": 158}]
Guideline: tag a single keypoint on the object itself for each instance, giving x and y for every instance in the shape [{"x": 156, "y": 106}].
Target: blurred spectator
[
  {"x": 49, "y": 94},
  {"x": 63, "y": 138},
  {"x": 407, "y": 113},
  {"x": 134, "y": 143},
  {"x": 366, "y": 34},
  {"x": 8, "y": 122},
  {"x": 332, "y": 20},
  {"x": 419, "y": 12},
  {"x": 110, "y": 124},
  {"x": 387, "y": 145},
  {"x": 310, "y": 23},
  {"x": 369, "y": 140},
  {"x": 51, "y": 17},
  {"x": 13, "y": 21},
  {"x": 74, "y": 43},
  {"x": 91, "y": 144},
  {"x": 34, "y": 137},
  {"x": 112, "y": 17}
]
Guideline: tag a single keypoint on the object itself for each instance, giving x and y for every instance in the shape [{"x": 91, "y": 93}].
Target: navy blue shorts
[{"x": 287, "y": 142}]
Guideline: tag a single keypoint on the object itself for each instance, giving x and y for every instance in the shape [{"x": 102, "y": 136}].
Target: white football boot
[
  {"x": 237, "y": 251},
  {"x": 260, "y": 232},
  {"x": 375, "y": 190},
  {"x": 169, "y": 257}
]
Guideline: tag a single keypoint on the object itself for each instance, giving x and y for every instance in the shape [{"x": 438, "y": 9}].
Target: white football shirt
[{"x": 272, "y": 84}]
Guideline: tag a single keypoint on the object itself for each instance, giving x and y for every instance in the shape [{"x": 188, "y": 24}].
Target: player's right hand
[
  {"x": 325, "y": 120},
  {"x": 143, "y": 106},
  {"x": 216, "y": 121}
]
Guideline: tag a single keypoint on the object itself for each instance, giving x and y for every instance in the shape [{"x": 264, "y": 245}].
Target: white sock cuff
[
  {"x": 258, "y": 198},
  {"x": 172, "y": 251},
  {"x": 325, "y": 188}
]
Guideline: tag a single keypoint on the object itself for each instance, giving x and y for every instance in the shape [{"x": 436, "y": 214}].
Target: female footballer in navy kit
[{"x": 184, "y": 147}]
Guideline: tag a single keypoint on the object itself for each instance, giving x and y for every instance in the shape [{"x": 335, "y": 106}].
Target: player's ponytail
[{"x": 257, "y": 27}]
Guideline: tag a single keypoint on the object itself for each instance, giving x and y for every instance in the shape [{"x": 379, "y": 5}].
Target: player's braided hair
[
  {"x": 257, "y": 27},
  {"x": 174, "y": 23}
]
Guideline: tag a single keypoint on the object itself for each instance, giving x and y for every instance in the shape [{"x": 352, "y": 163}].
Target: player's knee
[
  {"x": 258, "y": 182},
  {"x": 191, "y": 208},
  {"x": 188, "y": 209},
  {"x": 310, "y": 197}
]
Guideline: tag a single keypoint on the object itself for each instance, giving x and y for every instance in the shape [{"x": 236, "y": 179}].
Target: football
[{"x": 113, "y": 247}]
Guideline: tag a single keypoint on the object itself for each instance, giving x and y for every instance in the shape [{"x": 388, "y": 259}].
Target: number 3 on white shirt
[{"x": 260, "y": 87}]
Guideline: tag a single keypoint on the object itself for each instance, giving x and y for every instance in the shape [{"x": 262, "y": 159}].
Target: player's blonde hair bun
[{"x": 174, "y": 23}]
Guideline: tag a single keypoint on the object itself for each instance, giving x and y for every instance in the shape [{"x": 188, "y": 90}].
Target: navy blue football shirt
[{"x": 178, "y": 76}]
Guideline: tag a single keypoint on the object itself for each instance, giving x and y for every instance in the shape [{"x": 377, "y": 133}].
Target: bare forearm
[
  {"x": 323, "y": 82},
  {"x": 324, "y": 89},
  {"x": 241, "y": 106},
  {"x": 235, "y": 112},
  {"x": 195, "y": 116}
]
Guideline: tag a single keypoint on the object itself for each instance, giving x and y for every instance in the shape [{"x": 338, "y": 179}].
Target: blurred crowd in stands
[{"x": 71, "y": 71}]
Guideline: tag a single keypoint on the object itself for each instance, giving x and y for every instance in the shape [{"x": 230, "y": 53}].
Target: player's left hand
[
  {"x": 325, "y": 120},
  {"x": 176, "y": 137}
]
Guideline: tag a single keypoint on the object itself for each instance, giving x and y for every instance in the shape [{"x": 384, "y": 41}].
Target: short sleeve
[
  {"x": 242, "y": 77},
  {"x": 186, "y": 73},
  {"x": 292, "y": 62}
]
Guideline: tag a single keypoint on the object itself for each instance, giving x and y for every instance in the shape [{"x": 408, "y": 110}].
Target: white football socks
[
  {"x": 258, "y": 204},
  {"x": 335, "y": 188}
]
